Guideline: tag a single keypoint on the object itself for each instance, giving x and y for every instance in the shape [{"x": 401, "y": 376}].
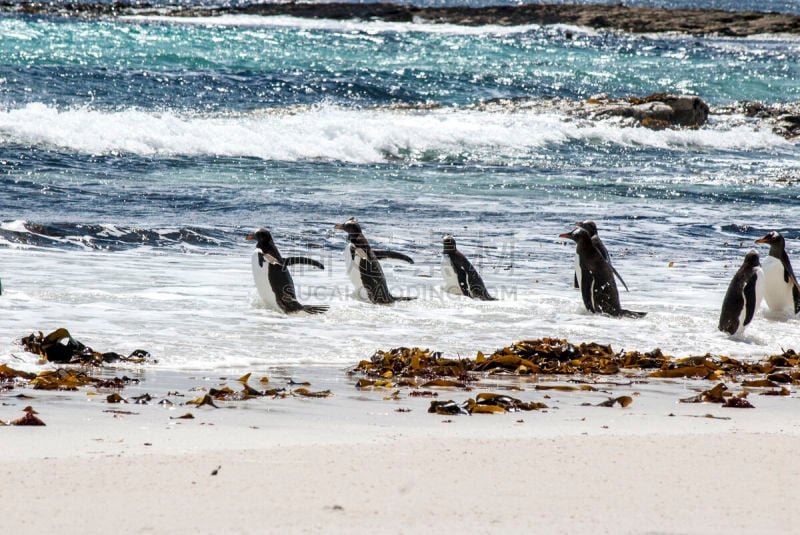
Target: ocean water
[{"x": 137, "y": 154}]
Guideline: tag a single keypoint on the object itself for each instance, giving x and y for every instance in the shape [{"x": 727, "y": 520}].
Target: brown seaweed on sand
[
  {"x": 59, "y": 346},
  {"x": 30, "y": 418},
  {"x": 553, "y": 356},
  {"x": 484, "y": 403}
]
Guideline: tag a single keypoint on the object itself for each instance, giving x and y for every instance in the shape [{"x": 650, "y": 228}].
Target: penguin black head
[
  {"x": 751, "y": 259},
  {"x": 263, "y": 239},
  {"x": 577, "y": 235},
  {"x": 352, "y": 228},
  {"x": 775, "y": 241},
  {"x": 449, "y": 243},
  {"x": 589, "y": 226}
]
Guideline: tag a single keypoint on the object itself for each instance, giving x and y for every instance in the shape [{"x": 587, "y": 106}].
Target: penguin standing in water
[
  {"x": 363, "y": 266},
  {"x": 460, "y": 277},
  {"x": 743, "y": 296},
  {"x": 781, "y": 290},
  {"x": 272, "y": 277},
  {"x": 595, "y": 278},
  {"x": 590, "y": 227}
]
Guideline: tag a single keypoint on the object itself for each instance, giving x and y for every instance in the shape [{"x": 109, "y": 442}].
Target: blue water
[{"x": 135, "y": 155}]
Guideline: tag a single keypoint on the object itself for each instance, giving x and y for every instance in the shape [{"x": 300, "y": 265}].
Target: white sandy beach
[{"x": 351, "y": 463}]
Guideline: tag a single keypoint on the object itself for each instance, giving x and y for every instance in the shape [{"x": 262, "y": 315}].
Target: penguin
[
  {"x": 590, "y": 227},
  {"x": 460, "y": 276},
  {"x": 743, "y": 296},
  {"x": 272, "y": 277},
  {"x": 781, "y": 290},
  {"x": 595, "y": 278},
  {"x": 363, "y": 266}
]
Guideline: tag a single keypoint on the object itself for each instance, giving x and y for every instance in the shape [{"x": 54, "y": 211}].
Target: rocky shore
[{"x": 635, "y": 19}]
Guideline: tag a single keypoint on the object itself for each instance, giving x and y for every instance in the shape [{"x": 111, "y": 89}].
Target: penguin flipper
[
  {"x": 632, "y": 314},
  {"x": 294, "y": 260},
  {"x": 749, "y": 300},
  {"x": 463, "y": 281},
  {"x": 477, "y": 290},
  {"x": 618, "y": 276},
  {"x": 382, "y": 254},
  {"x": 575, "y": 281}
]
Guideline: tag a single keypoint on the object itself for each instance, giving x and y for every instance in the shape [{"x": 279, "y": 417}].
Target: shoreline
[
  {"x": 352, "y": 461},
  {"x": 632, "y": 19}
]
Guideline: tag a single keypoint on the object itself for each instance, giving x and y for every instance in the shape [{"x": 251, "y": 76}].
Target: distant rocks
[
  {"x": 657, "y": 111},
  {"x": 784, "y": 118},
  {"x": 634, "y": 19}
]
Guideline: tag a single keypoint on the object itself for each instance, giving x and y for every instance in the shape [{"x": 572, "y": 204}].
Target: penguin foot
[
  {"x": 632, "y": 314},
  {"x": 315, "y": 309}
]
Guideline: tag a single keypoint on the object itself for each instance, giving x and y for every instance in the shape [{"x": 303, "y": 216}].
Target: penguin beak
[
  {"x": 765, "y": 239},
  {"x": 250, "y": 237},
  {"x": 339, "y": 227},
  {"x": 567, "y": 235}
]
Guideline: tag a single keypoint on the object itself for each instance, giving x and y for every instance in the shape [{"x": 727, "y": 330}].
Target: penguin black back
[
  {"x": 591, "y": 227},
  {"x": 273, "y": 280},
  {"x": 595, "y": 278},
  {"x": 371, "y": 274},
  {"x": 459, "y": 272},
  {"x": 742, "y": 297}
]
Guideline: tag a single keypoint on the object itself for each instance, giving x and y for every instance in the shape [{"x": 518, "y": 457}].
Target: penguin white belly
[
  {"x": 449, "y": 277},
  {"x": 261, "y": 278},
  {"x": 351, "y": 261},
  {"x": 777, "y": 292}
]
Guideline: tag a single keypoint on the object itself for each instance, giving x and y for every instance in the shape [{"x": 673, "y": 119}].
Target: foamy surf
[{"x": 359, "y": 136}]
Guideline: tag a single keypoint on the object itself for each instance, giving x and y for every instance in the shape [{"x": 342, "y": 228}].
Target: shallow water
[{"x": 136, "y": 155}]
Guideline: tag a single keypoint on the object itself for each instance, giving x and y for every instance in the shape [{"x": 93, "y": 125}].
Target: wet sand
[{"x": 356, "y": 461}]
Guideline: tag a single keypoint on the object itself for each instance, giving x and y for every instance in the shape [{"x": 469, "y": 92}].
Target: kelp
[
  {"x": 305, "y": 392},
  {"x": 416, "y": 367},
  {"x": 738, "y": 403},
  {"x": 205, "y": 400},
  {"x": 554, "y": 356},
  {"x": 623, "y": 401},
  {"x": 721, "y": 394},
  {"x": 30, "y": 418},
  {"x": 60, "y": 347},
  {"x": 713, "y": 395},
  {"x": 484, "y": 403}
]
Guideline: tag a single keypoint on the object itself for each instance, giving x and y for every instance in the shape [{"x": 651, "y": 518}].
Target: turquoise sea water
[{"x": 136, "y": 154}]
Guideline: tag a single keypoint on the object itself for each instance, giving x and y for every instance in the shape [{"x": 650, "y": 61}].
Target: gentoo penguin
[
  {"x": 781, "y": 290},
  {"x": 743, "y": 296},
  {"x": 272, "y": 277},
  {"x": 595, "y": 279},
  {"x": 364, "y": 268},
  {"x": 460, "y": 277},
  {"x": 590, "y": 227}
]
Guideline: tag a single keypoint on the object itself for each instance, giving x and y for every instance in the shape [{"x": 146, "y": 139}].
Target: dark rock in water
[
  {"x": 658, "y": 109},
  {"x": 635, "y": 19},
  {"x": 783, "y": 118}
]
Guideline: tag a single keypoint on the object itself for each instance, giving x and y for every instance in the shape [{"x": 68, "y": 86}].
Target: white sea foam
[
  {"x": 348, "y": 135},
  {"x": 202, "y": 312},
  {"x": 343, "y": 26}
]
